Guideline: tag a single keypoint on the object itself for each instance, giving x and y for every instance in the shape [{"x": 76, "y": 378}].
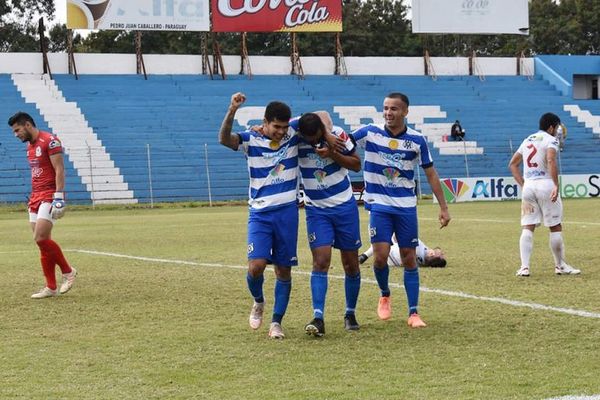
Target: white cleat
[
  {"x": 45, "y": 292},
  {"x": 275, "y": 331},
  {"x": 566, "y": 269},
  {"x": 67, "y": 281},
  {"x": 523, "y": 271},
  {"x": 256, "y": 315}
]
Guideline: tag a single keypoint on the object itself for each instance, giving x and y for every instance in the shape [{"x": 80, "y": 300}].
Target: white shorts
[
  {"x": 536, "y": 205},
  {"x": 43, "y": 212}
]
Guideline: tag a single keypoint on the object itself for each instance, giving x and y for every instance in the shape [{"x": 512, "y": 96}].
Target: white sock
[
  {"x": 369, "y": 251},
  {"x": 557, "y": 247},
  {"x": 526, "y": 246}
]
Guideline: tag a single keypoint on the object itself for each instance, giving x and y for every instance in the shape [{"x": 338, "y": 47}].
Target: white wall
[{"x": 261, "y": 65}]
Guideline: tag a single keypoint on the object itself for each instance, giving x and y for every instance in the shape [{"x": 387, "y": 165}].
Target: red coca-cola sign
[{"x": 276, "y": 15}]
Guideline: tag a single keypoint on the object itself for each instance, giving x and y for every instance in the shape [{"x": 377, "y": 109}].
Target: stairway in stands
[{"x": 89, "y": 157}]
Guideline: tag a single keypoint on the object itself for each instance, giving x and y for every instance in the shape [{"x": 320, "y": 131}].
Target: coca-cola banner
[{"x": 276, "y": 15}]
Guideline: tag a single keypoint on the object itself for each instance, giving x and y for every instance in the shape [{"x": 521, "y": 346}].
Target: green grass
[{"x": 135, "y": 329}]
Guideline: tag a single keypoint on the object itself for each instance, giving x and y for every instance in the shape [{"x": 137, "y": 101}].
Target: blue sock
[
  {"x": 411, "y": 285},
  {"x": 282, "y": 298},
  {"x": 352, "y": 287},
  {"x": 382, "y": 275},
  {"x": 318, "y": 288},
  {"x": 255, "y": 285}
]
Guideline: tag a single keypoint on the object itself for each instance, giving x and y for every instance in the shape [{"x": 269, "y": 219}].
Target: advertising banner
[
  {"x": 505, "y": 188},
  {"x": 276, "y": 15},
  {"x": 150, "y": 15},
  {"x": 471, "y": 16}
]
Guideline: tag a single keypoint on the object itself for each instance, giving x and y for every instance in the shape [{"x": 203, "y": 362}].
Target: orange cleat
[
  {"x": 415, "y": 321},
  {"x": 384, "y": 308}
]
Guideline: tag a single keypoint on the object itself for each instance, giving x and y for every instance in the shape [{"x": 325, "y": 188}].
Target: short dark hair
[
  {"x": 310, "y": 124},
  {"x": 437, "y": 262},
  {"x": 276, "y": 110},
  {"x": 549, "y": 120},
  {"x": 21, "y": 118},
  {"x": 398, "y": 95}
]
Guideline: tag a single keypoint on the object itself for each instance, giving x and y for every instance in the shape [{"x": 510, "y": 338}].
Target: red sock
[
  {"x": 54, "y": 249},
  {"x": 47, "y": 266}
]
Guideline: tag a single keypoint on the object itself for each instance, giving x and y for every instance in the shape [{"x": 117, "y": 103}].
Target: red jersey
[{"x": 43, "y": 176}]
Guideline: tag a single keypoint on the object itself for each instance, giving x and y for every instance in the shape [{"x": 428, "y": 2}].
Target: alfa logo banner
[
  {"x": 276, "y": 15},
  {"x": 154, "y": 15},
  {"x": 458, "y": 190}
]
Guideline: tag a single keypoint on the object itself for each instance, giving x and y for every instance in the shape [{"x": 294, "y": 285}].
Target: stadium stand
[
  {"x": 14, "y": 170},
  {"x": 170, "y": 122}
]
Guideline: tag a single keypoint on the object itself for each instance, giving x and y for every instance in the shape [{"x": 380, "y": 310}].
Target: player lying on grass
[{"x": 426, "y": 257}]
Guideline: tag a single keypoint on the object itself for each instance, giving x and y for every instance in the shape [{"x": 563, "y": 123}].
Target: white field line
[
  {"x": 510, "y": 221},
  {"x": 576, "y": 397},
  {"x": 514, "y": 303}
]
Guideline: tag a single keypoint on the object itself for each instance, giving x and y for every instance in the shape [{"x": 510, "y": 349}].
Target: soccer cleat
[
  {"x": 67, "y": 281},
  {"x": 256, "y": 315},
  {"x": 275, "y": 331},
  {"x": 566, "y": 269},
  {"x": 415, "y": 321},
  {"x": 384, "y": 308},
  {"x": 523, "y": 271},
  {"x": 362, "y": 258},
  {"x": 45, "y": 292},
  {"x": 350, "y": 323},
  {"x": 316, "y": 327}
]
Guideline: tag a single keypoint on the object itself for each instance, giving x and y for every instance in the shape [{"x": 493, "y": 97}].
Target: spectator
[{"x": 457, "y": 132}]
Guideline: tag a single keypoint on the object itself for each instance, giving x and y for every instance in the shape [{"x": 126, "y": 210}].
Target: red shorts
[{"x": 38, "y": 198}]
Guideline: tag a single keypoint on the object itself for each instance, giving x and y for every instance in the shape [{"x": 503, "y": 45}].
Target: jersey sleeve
[
  {"x": 553, "y": 144},
  {"x": 295, "y": 124},
  {"x": 350, "y": 146},
  {"x": 244, "y": 139},
  {"x": 360, "y": 136},
  {"x": 54, "y": 146},
  {"x": 426, "y": 160}
]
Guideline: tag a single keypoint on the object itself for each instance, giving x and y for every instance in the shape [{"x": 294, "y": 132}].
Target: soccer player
[
  {"x": 47, "y": 200},
  {"x": 392, "y": 151},
  {"x": 426, "y": 257},
  {"x": 540, "y": 199},
  {"x": 331, "y": 211},
  {"x": 272, "y": 156}
]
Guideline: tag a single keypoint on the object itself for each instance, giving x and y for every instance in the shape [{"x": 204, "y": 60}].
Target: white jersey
[
  {"x": 272, "y": 168},
  {"x": 326, "y": 183},
  {"x": 534, "y": 149},
  {"x": 394, "y": 257}
]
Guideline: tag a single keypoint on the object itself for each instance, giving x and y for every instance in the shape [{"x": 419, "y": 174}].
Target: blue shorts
[
  {"x": 336, "y": 226},
  {"x": 405, "y": 225},
  {"x": 273, "y": 235}
]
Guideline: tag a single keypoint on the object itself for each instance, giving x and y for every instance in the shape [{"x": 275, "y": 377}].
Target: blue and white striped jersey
[
  {"x": 326, "y": 183},
  {"x": 389, "y": 169},
  {"x": 273, "y": 169}
]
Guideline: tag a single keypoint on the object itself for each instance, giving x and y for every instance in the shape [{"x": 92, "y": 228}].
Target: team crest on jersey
[
  {"x": 393, "y": 144},
  {"x": 320, "y": 175},
  {"x": 407, "y": 144},
  {"x": 38, "y": 151},
  {"x": 274, "y": 145},
  {"x": 372, "y": 232},
  {"x": 54, "y": 144}
]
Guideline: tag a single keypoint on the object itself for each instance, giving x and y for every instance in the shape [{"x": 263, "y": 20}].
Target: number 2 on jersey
[{"x": 531, "y": 155}]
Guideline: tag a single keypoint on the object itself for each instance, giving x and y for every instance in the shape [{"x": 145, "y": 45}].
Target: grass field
[{"x": 146, "y": 328}]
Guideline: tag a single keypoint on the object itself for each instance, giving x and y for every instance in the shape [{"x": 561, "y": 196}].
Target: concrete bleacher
[
  {"x": 15, "y": 175},
  {"x": 170, "y": 123}
]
